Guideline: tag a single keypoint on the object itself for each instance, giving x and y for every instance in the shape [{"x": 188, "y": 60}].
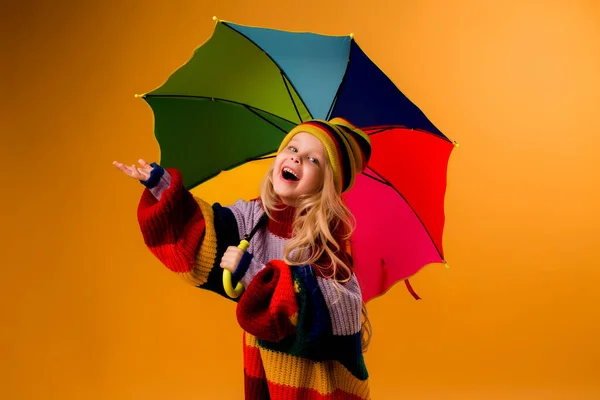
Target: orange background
[{"x": 88, "y": 313}]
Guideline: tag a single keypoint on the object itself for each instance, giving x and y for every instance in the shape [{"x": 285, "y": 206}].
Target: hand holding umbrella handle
[{"x": 227, "y": 285}]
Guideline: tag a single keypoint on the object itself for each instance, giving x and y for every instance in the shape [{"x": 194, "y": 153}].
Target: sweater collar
[{"x": 282, "y": 221}]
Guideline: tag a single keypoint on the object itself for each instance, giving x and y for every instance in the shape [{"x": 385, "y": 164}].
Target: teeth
[{"x": 290, "y": 171}]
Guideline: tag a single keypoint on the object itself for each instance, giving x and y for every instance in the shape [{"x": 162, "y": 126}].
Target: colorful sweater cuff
[
  {"x": 159, "y": 181},
  {"x": 242, "y": 268},
  {"x": 155, "y": 175}
]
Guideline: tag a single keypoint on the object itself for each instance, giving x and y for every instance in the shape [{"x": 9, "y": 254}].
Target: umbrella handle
[{"x": 227, "y": 285}]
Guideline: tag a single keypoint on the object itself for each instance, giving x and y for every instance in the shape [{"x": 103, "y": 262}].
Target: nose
[{"x": 295, "y": 159}]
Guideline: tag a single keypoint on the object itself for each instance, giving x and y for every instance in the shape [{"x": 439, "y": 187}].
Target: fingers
[
  {"x": 235, "y": 251},
  {"x": 227, "y": 264},
  {"x": 231, "y": 258},
  {"x": 142, "y": 173},
  {"x": 145, "y": 165},
  {"x": 134, "y": 171},
  {"x": 233, "y": 254},
  {"x": 121, "y": 166},
  {"x": 126, "y": 170}
]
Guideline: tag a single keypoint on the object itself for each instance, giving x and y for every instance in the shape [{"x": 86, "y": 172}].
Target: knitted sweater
[{"x": 301, "y": 331}]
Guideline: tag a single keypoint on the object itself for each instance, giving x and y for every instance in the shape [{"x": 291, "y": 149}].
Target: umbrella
[{"x": 228, "y": 107}]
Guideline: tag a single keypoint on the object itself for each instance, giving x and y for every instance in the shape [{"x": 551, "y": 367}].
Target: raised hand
[{"x": 141, "y": 173}]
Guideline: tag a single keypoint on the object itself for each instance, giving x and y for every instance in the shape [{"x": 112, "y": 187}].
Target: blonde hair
[{"x": 322, "y": 219}]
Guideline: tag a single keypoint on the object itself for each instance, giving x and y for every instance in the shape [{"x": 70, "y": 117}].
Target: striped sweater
[{"x": 301, "y": 330}]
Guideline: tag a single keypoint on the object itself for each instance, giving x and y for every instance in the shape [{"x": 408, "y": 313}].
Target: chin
[{"x": 283, "y": 196}]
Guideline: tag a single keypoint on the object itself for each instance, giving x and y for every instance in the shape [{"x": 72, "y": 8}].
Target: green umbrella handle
[{"x": 227, "y": 285}]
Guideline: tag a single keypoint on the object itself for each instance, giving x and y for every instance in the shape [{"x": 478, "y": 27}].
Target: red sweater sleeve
[
  {"x": 173, "y": 227},
  {"x": 268, "y": 309}
]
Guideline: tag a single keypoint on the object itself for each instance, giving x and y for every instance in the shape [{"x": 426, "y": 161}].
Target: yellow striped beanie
[{"x": 348, "y": 147}]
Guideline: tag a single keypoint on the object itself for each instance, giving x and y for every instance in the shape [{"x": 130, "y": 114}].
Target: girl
[{"x": 301, "y": 309}]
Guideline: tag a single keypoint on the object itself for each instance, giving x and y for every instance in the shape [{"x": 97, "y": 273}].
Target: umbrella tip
[
  {"x": 351, "y": 36},
  {"x": 456, "y": 144},
  {"x": 139, "y": 95},
  {"x": 215, "y": 18}
]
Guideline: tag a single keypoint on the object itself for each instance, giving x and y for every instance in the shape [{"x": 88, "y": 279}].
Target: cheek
[
  {"x": 316, "y": 178},
  {"x": 277, "y": 166}
]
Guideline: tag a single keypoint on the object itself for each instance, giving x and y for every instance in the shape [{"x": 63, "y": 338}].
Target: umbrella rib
[
  {"x": 185, "y": 96},
  {"x": 376, "y": 132},
  {"x": 383, "y": 181},
  {"x": 262, "y": 158},
  {"x": 412, "y": 209},
  {"x": 290, "y": 94},
  {"x": 268, "y": 121},
  {"x": 382, "y": 129},
  {"x": 278, "y": 67},
  {"x": 229, "y": 168},
  {"x": 337, "y": 93}
]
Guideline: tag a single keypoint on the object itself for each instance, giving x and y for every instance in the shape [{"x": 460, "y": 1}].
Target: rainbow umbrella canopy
[{"x": 241, "y": 91}]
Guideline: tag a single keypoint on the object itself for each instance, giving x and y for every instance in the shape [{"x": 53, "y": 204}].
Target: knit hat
[{"x": 348, "y": 147}]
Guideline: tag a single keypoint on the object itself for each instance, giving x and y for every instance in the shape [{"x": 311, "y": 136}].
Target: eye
[
  {"x": 313, "y": 160},
  {"x": 293, "y": 149}
]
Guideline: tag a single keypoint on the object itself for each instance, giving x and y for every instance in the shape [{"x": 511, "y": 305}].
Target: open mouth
[{"x": 289, "y": 175}]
